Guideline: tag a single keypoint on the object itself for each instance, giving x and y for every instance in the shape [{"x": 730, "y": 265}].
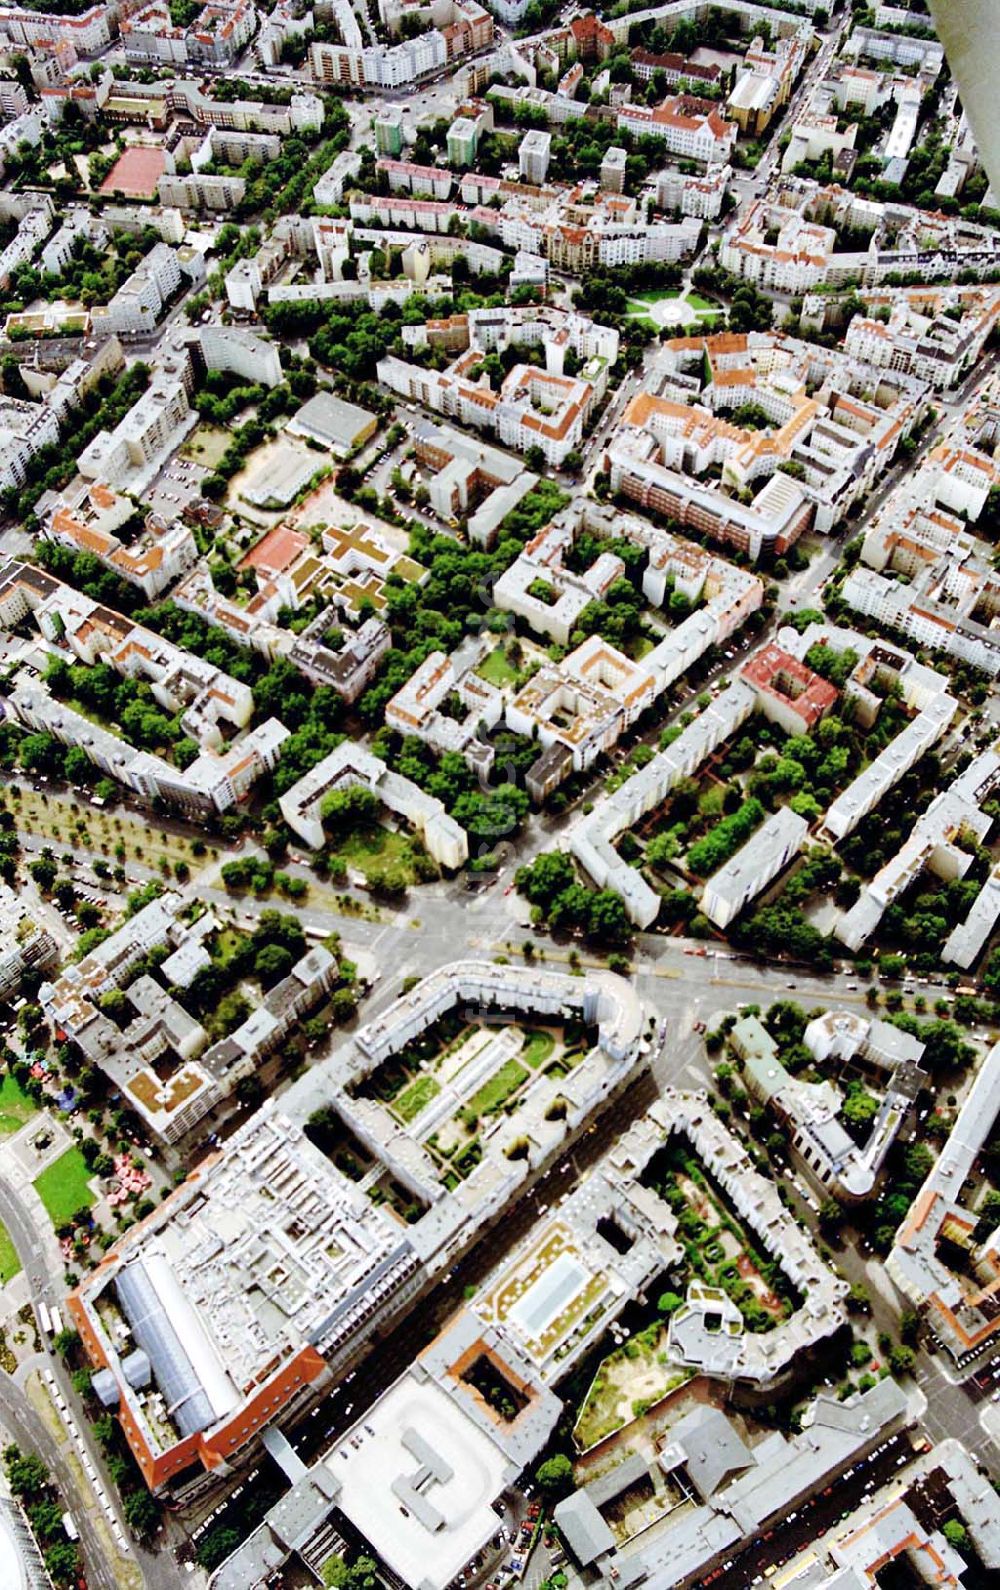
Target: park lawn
[
  {"x": 416, "y": 1097},
  {"x": 656, "y": 295},
  {"x": 537, "y": 1048},
  {"x": 15, "y": 1106},
  {"x": 496, "y": 670},
  {"x": 10, "y": 1264},
  {"x": 640, "y": 315},
  {"x": 372, "y": 849},
  {"x": 698, "y": 302},
  {"x": 64, "y": 1187},
  {"x": 498, "y": 1089}
]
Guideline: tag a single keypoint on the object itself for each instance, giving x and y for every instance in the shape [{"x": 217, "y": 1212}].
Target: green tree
[
  {"x": 62, "y": 1561},
  {"x": 956, "y": 1534},
  {"x": 66, "y": 1343},
  {"x": 141, "y": 1513},
  {"x": 218, "y": 1544},
  {"x": 555, "y": 1476},
  {"x": 271, "y": 963},
  {"x": 26, "y": 1472},
  {"x": 902, "y": 1359}
]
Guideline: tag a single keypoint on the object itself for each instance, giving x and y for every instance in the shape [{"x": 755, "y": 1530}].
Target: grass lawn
[
  {"x": 206, "y": 445},
  {"x": 63, "y": 1188},
  {"x": 499, "y": 1088},
  {"x": 371, "y": 850},
  {"x": 537, "y": 1048},
  {"x": 697, "y": 302},
  {"x": 10, "y": 1264},
  {"x": 496, "y": 670},
  {"x": 417, "y": 1097},
  {"x": 656, "y": 295},
  {"x": 15, "y": 1106}
]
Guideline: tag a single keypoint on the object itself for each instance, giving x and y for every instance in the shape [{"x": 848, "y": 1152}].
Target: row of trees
[{"x": 31, "y": 1482}]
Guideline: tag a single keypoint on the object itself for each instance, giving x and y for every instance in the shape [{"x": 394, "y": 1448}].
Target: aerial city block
[{"x": 499, "y": 795}]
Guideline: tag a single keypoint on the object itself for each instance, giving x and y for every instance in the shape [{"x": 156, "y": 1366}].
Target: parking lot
[{"x": 177, "y": 484}]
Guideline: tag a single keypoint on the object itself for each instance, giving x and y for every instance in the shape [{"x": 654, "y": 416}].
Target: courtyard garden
[{"x": 448, "y": 1085}]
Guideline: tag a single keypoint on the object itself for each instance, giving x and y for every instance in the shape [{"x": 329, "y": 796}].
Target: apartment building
[
  {"x": 968, "y": 938},
  {"x": 25, "y": 428},
  {"x": 196, "y": 192},
  {"x": 139, "y": 302},
  {"x": 285, "y": 22},
  {"x": 775, "y": 519},
  {"x": 533, "y": 407},
  {"x": 755, "y": 865},
  {"x": 952, "y": 592},
  {"x": 126, "y": 457},
  {"x": 350, "y": 766},
  {"x": 469, "y": 477},
  {"x": 389, "y": 130},
  {"x": 916, "y": 331},
  {"x": 88, "y": 34},
  {"x": 148, "y": 34},
  {"x": 332, "y": 185},
  {"x": 460, "y": 28},
  {"x": 439, "y": 682},
  {"x": 213, "y": 782},
  {"x": 86, "y": 518},
  {"x": 674, "y": 67},
  {"x": 863, "y": 795},
  {"x": 76, "y": 227},
  {"x": 533, "y": 156},
  {"x": 34, "y": 216},
  {"x": 554, "y": 610},
  {"x": 957, "y": 1300},
  {"x": 934, "y": 845},
  {"x": 24, "y": 945},
  {"x": 578, "y": 709},
  {"x": 689, "y": 128},
  {"x": 867, "y": 43},
  {"x": 833, "y": 1160},
  {"x": 348, "y": 668},
  {"x": 96, "y": 633},
  {"x": 802, "y": 256},
  {"x": 242, "y": 353},
  {"x": 698, "y": 196},
  {"x": 891, "y": 1527},
  {"x": 613, "y": 167},
  {"x": 840, "y": 422},
  {"x": 591, "y": 840},
  {"x": 424, "y": 182},
  {"x": 788, "y": 693},
  {"x": 221, "y": 31}
]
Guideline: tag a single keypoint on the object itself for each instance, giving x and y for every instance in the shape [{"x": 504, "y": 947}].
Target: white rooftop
[{"x": 421, "y": 1486}]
